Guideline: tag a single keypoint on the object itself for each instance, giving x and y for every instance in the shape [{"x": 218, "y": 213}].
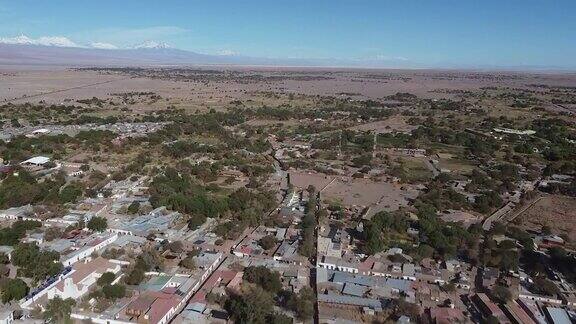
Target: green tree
[
  {"x": 254, "y": 306},
  {"x": 267, "y": 242},
  {"x": 98, "y": 224},
  {"x": 425, "y": 251},
  {"x": 134, "y": 207},
  {"x": 70, "y": 193},
  {"x": 12, "y": 235},
  {"x": 14, "y": 289},
  {"x": 114, "y": 291},
  {"x": 196, "y": 221},
  {"x": 264, "y": 277},
  {"x": 279, "y": 318},
  {"x": 135, "y": 276},
  {"x": 501, "y": 294},
  {"x": 58, "y": 310},
  {"x": 305, "y": 303},
  {"x": 106, "y": 279},
  {"x": 188, "y": 263},
  {"x": 34, "y": 263}
]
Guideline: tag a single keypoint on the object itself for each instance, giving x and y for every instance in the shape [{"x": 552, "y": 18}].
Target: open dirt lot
[
  {"x": 303, "y": 179},
  {"x": 392, "y": 124},
  {"x": 558, "y": 212},
  {"x": 360, "y": 192}
]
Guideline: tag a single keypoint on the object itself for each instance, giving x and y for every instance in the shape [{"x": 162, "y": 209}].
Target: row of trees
[{"x": 307, "y": 246}]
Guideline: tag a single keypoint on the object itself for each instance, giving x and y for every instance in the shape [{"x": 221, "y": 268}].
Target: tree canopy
[{"x": 97, "y": 224}]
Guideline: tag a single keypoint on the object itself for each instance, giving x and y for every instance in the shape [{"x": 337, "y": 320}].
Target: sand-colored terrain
[
  {"x": 349, "y": 191},
  {"x": 392, "y": 124},
  {"x": 558, "y": 212},
  {"x": 190, "y": 88}
]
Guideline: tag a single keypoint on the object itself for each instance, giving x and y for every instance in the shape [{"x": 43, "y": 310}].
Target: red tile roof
[
  {"x": 445, "y": 315},
  {"x": 198, "y": 297},
  {"x": 367, "y": 264},
  {"x": 154, "y": 304},
  {"x": 161, "y": 307}
]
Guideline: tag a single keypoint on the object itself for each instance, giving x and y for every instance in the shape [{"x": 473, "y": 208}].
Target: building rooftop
[
  {"x": 37, "y": 160},
  {"x": 6, "y": 249},
  {"x": 446, "y": 315},
  {"x": 558, "y": 315},
  {"x": 350, "y": 300},
  {"x": 354, "y": 290},
  {"x": 82, "y": 270},
  {"x": 125, "y": 240}
]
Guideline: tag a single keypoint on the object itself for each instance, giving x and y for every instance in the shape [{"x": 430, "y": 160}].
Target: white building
[
  {"x": 332, "y": 263},
  {"x": 36, "y": 161},
  {"x": 84, "y": 275},
  {"x": 7, "y": 316},
  {"x": 94, "y": 244}
]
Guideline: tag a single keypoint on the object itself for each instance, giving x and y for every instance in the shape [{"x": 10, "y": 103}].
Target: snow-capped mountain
[
  {"x": 57, "y": 41},
  {"x": 100, "y": 45},
  {"x": 150, "y": 44},
  {"x": 60, "y": 41},
  {"x": 58, "y": 50}
]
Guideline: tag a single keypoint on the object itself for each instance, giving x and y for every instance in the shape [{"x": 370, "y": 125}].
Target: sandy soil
[
  {"x": 303, "y": 179},
  {"x": 558, "y": 212},
  {"x": 57, "y": 87},
  {"x": 360, "y": 192},
  {"x": 393, "y": 124},
  {"x": 57, "y": 84}
]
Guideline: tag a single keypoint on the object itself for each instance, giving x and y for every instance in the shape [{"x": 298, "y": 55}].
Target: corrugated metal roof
[
  {"x": 351, "y": 300},
  {"x": 354, "y": 290},
  {"x": 558, "y": 315}
]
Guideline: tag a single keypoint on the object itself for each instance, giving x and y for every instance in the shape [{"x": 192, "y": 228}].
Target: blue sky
[{"x": 428, "y": 33}]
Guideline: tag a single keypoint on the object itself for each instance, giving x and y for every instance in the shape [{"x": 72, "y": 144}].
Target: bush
[
  {"x": 52, "y": 233},
  {"x": 114, "y": 291},
  {"x": 135, "y": 276},
  {"x": 501, "y": 294},
  {"x": 176, "y": 247},
  {"x": 98, "y": 224},
  {"x": 70, "y": 193},
  {"x": 188, "y": 263}
]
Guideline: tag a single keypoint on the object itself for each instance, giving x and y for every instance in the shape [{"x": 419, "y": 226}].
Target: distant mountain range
[{"x": 22, "y": 50}]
